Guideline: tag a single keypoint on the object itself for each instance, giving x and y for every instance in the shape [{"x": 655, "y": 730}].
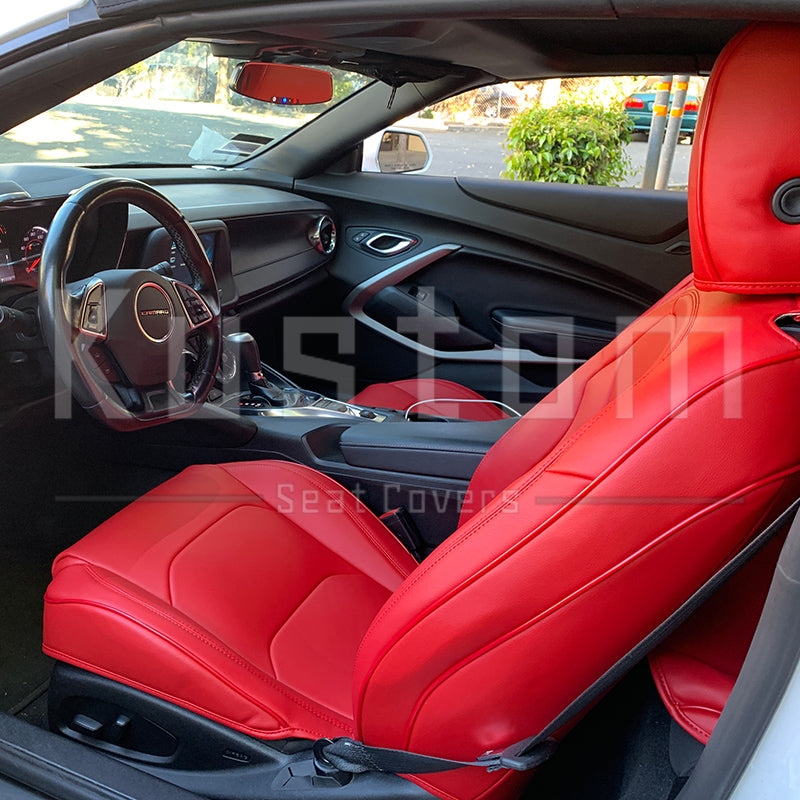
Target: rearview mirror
[
  {"x": 396, "y": 150},
  {"x": 283, "y": 84}
]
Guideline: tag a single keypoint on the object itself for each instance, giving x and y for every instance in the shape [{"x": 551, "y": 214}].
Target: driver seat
[{"x": 266, "y": 597}]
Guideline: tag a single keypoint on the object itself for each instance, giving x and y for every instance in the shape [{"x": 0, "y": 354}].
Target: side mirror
[
  {"x": 396, "y": 150},
  {"x": 283, "y": 84}
]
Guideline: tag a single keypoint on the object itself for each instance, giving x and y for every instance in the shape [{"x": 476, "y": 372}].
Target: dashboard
[
  {"x": 256, "y": 238},
  {"x": 259, "y": 240}
]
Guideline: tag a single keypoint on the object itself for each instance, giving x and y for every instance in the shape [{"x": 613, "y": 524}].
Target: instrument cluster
[{"x": 23, "y": 231}]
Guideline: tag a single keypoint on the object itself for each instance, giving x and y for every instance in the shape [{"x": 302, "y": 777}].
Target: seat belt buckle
[
  {"x": 401, "y": 524},
  {"x": 528, "y": 759}
]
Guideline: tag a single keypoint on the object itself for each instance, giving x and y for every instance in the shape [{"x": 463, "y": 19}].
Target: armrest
[
  {"x": 542, "y": 334},
  {"x": 442, "y": 449}
]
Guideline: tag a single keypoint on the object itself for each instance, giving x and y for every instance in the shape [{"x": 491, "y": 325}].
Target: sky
[{"x": 19, "y": 15}]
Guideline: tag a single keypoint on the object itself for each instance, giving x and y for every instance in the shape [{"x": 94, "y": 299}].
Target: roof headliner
[
  {"x": 514, "y": 49},
  {"x": 509, "y": 39}
]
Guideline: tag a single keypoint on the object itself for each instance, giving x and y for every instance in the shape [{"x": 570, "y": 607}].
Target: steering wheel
[{"x": 119, "y": 338}]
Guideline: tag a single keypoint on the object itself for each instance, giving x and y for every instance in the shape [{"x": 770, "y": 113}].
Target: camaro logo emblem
[{"x": 154, "y": 312}]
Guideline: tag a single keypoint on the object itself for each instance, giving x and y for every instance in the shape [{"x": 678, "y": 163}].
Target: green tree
[
  {"x": 225, "y": 70},
  {"x": 570, "y": 143}
]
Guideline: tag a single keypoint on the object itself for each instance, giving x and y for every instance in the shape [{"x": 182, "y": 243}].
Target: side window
[{"x": 575, "y": 130}]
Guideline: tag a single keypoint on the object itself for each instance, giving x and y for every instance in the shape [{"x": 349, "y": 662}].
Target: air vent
[{"x": 323, "y": 235}]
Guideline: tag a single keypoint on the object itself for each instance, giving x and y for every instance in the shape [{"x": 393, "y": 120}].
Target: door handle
[{"x": 389, "y": 244}]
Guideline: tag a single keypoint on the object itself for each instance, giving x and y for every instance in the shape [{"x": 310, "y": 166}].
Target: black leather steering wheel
[{"x": 119, "y": 337}]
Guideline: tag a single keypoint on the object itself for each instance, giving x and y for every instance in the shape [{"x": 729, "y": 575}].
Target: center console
[
  {"x": 422, "y": 463},
  {"x": 259, "y": 390}
]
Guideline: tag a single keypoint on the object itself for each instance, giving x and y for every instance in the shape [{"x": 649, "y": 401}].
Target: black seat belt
[{"x": 348, "y": 755}]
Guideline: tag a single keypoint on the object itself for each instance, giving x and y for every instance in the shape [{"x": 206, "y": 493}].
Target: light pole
[
  {"x": 657, "y": 126},
  {"x": 673, "y": 131}
]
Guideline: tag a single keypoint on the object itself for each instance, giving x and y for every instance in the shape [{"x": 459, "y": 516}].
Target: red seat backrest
[{"x": 615, "y": 498}]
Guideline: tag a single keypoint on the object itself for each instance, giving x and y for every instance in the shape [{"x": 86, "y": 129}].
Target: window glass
[
  {"x": 173, "y": 108},
  {"x": 555, "y": 130}
]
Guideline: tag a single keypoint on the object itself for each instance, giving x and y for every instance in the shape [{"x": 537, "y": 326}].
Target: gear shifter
[
  {"x": 249, "y": 355},
  {"x": 250, "y": 359}
]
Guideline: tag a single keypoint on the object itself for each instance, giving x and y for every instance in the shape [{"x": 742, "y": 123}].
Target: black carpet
[
  {"x": 24, "y": 669},
  {"x": 620, "y": 751}
]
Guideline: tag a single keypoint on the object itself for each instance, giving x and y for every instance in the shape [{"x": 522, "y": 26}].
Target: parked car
[
  {"x": 271, "y": 525},
  {"x": 639, "y": 105}
]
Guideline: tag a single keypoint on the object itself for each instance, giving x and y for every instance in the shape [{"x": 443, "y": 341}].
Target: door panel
[
  {"x": 638, "y": 215},
  {"x": 495, "y": 278}
]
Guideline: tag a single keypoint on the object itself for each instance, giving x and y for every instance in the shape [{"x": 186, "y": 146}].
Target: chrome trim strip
[
  {"x": 403, "y": 243},
  {"x": 358, "y": 298},
  {"x": 315, "y": 235},
  {"x": 14, "y": 197},
  {"x": 313, "y": 411}
]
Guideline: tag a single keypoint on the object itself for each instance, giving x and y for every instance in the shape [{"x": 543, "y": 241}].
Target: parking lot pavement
[{"x": 113, "y": 132}]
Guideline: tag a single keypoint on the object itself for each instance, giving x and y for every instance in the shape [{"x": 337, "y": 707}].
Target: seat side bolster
[{"x": 99, "y": 621}]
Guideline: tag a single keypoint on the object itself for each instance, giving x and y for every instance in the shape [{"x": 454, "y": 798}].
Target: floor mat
[
  {"x": 620, "y": 751},
  {"x": 24, "y": 669}
]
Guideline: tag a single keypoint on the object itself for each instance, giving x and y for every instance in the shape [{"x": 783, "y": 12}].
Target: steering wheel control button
[
  {"x": 93, "y": 313},
  {"x": 105, "y": 365},
  {"x": 154, "y": 311},
  {"x": 196, "y": 310}
]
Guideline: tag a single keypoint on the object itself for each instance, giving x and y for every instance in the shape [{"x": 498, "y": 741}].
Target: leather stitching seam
[{"x": 218, "y": 647}]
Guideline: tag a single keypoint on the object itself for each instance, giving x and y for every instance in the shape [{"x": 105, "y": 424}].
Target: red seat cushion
[
  {"x": 239, "y": 591},
  {"x": 403, "y": 394}
]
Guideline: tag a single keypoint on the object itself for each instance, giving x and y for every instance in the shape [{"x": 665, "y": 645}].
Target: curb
[{"x": 460, "y": 126}]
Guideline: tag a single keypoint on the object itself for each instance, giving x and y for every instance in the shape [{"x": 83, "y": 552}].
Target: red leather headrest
[{"x": 747, "y": 146}]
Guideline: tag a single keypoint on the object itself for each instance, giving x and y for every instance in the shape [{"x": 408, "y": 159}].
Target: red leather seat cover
[
  {"x": 592, "y": 520},
  {"x": 403, "y": 394},
  {"x": 627, "y": 499},
  {"x": 240, "y": 591},
  {"x": 738, "y": 245},
  {"x": 649, "y": 484}
]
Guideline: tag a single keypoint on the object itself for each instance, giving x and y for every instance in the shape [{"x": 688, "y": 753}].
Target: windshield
[{"x": 173, "y": 108}]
